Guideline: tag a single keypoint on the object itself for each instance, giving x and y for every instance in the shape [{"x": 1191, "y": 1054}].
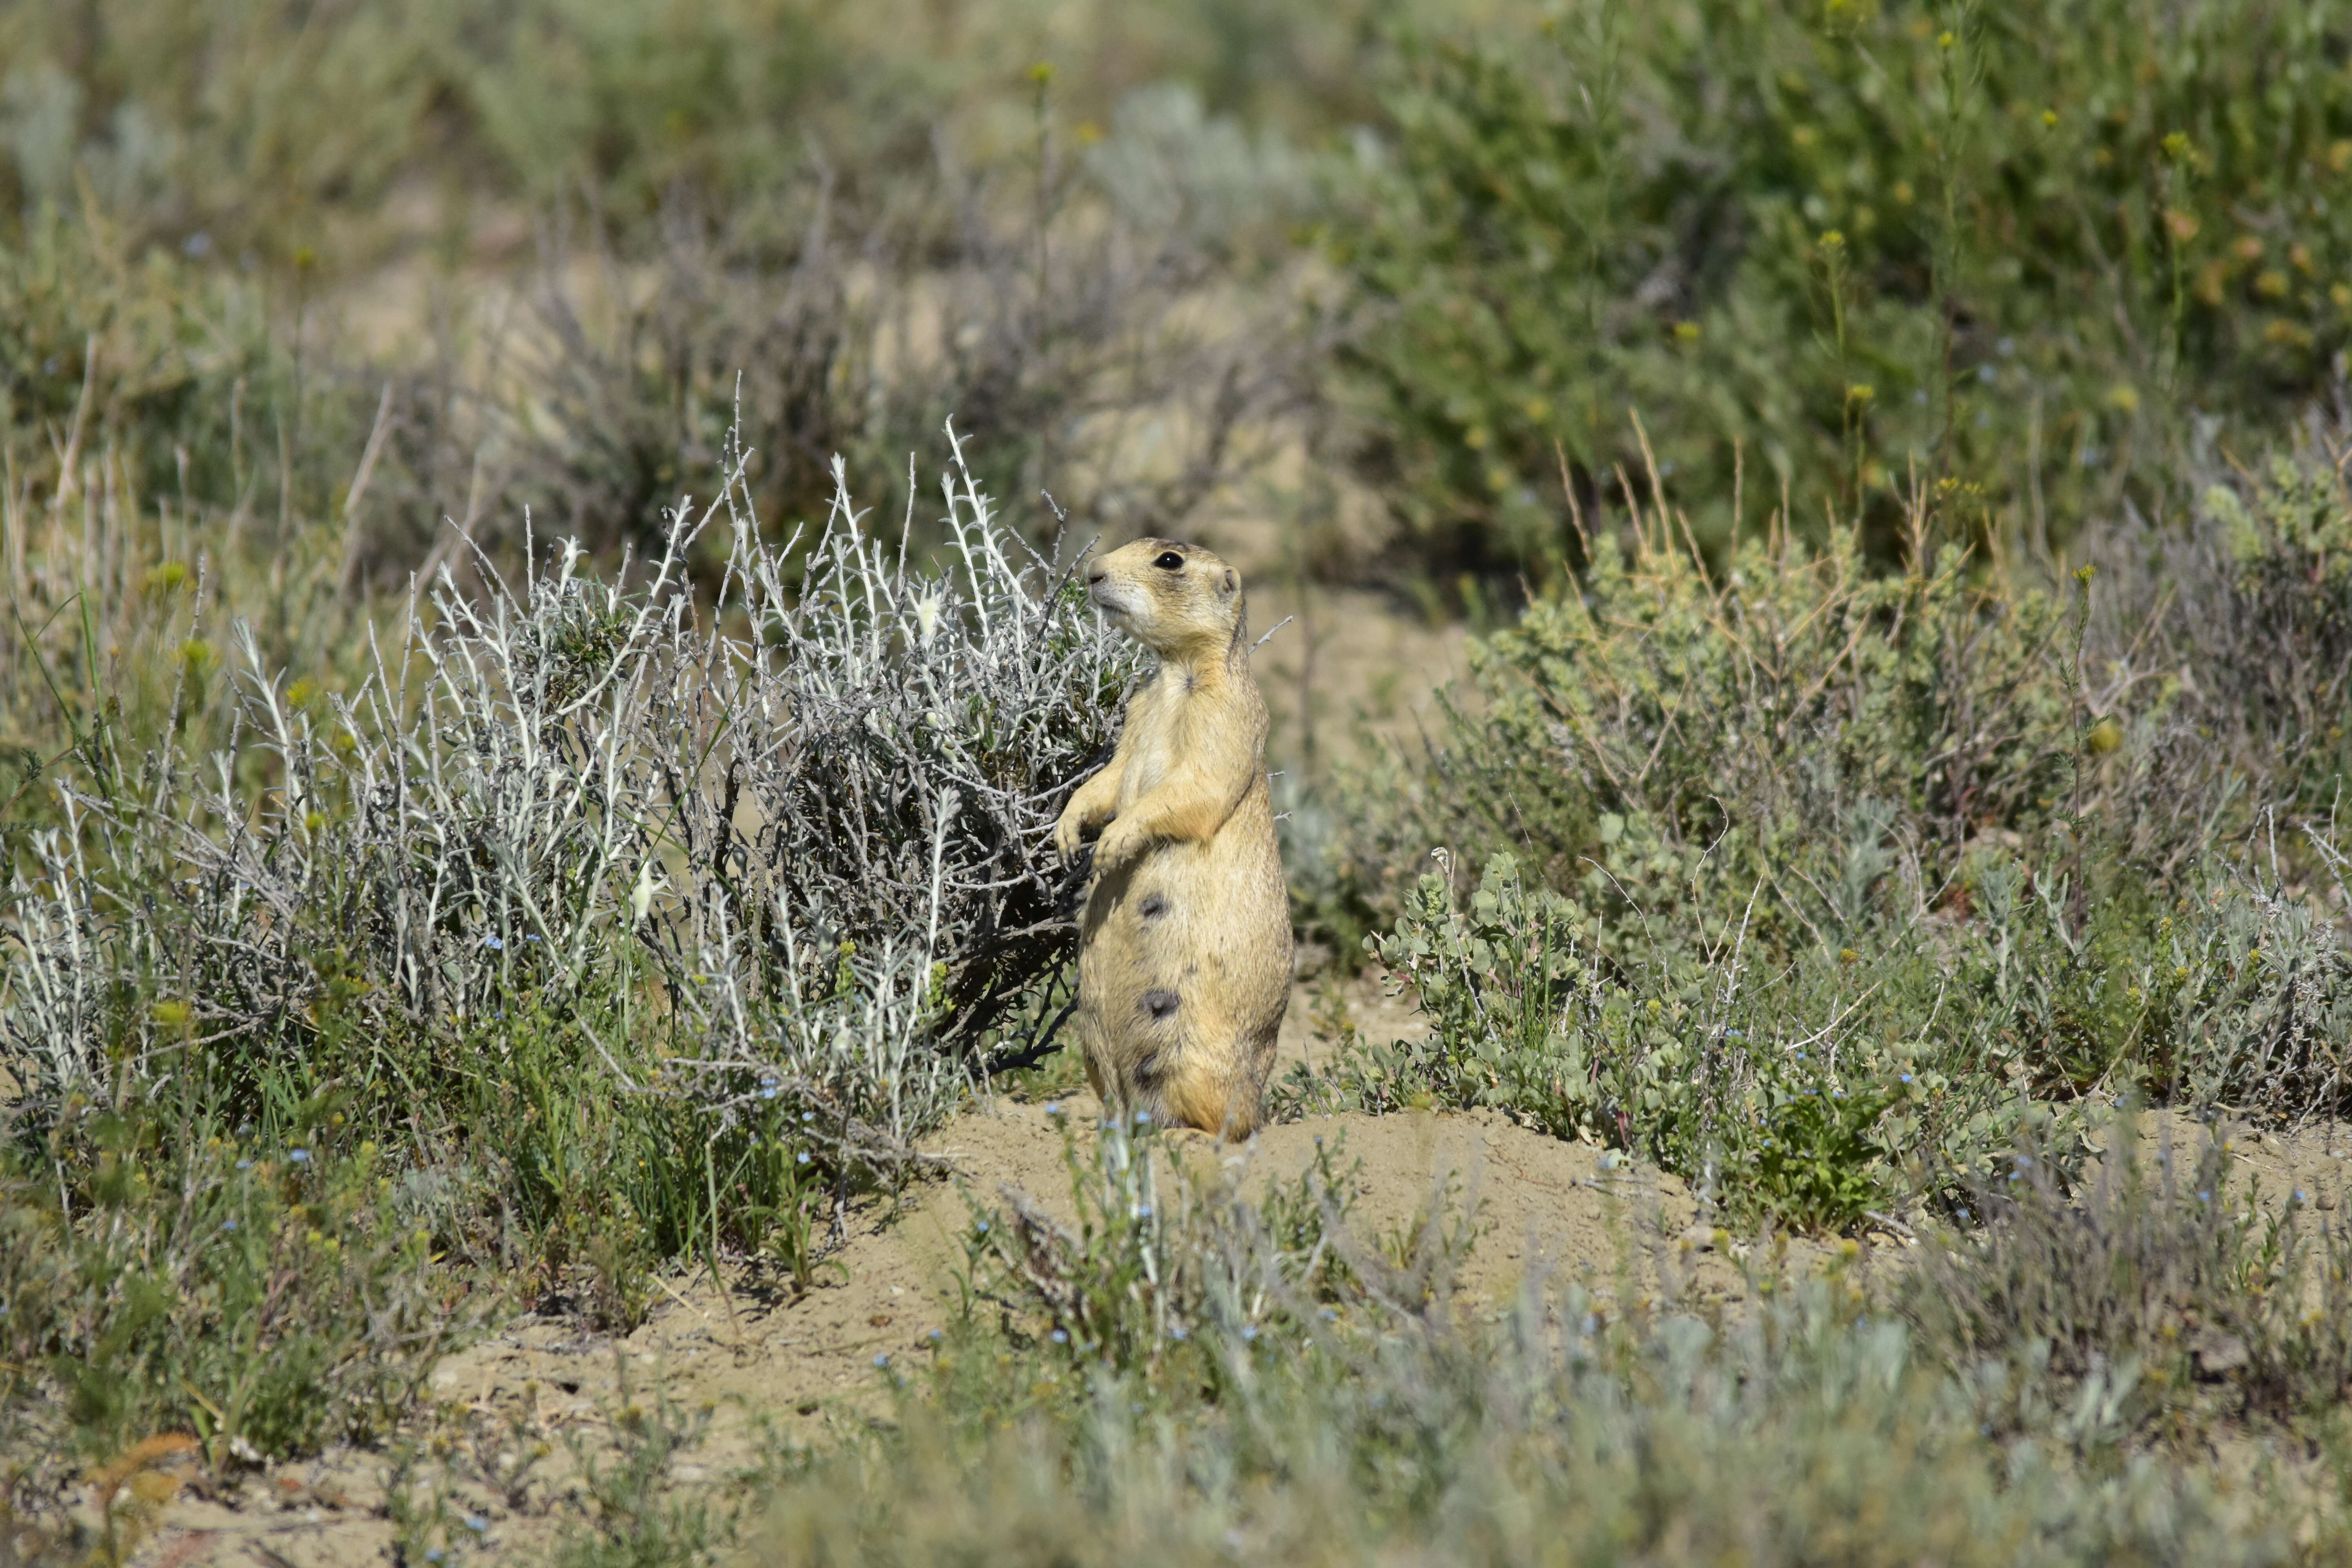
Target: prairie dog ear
[{"x": 1233, "y": 580}]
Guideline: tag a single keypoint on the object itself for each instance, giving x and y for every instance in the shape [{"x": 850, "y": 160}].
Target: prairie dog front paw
[
  {"x": 1069, "y": 829},
  {"x": 1120, "y": 843}
]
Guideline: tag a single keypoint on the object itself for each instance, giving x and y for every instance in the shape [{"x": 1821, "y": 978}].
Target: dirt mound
[
  {"x": 804, "y": 1363},
  {"x": 1568, "y": 1210},
  {"x": 807, "y": 1363}
]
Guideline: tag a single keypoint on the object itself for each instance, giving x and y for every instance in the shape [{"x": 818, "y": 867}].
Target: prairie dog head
[{"x": 1178, "y": 600}]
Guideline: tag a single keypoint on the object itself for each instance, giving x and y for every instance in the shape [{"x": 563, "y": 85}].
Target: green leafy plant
[
  {"x": 263, "y": 1292},
  {"x": 1779, "y": 1093},
  {"x": 1827, "y": 253},
  {"x": 1825, "y": 884}
]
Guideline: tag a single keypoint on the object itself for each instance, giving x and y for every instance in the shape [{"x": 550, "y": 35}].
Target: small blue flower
[
  {"x": 434, "y": 1554},
  {"x": 477, "y": 1523},
  {"x": 1905, "y": 1078},
  {"x": 529, "y": 936},
  {"x": 2204, "y": 1197},
  {"x": 1053, "y": 1108},
  {"x": 979, "y": 1228},
  {"x": 937, "y": 1336},
  {"x": 1142, "y": 1116},
  {"x": 2298, "y": 1194},
  {"x": 883, "y": 1359},
  {"x": 228, "y": 1224},
  {"x": 1328, "y": 1315},
  {"x": 807, "y": 1116},
  {"x": 494, "y": 944},
  {"x": 801, "y": 1158},
  {"x": 299, "y": 1156},
  {"x": 1734, "y": 1034},
  {"x": 245, "y": 1164},
  {"x": 1143, "y": 1211},
  {"x": 1249, "y": 1332},
  {"x": 1180, "y": 1332},
  {"x": 1061, "y": 1336}
]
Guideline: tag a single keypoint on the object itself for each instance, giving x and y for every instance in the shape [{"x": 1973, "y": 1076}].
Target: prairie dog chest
[{"x": 1155, "y": 735}]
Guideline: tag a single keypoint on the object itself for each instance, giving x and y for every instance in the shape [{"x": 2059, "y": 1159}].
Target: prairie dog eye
[{"x": 1168, "y": 560}]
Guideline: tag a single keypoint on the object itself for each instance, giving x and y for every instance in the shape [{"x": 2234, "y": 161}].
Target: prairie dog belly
[{"x": 1185, "y": 965}]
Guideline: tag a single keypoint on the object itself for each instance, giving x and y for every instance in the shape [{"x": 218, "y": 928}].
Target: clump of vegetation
[
  {"x": 263, "y": 1288},
  {"x": 1827, "y": 249},
  {"x": 1181, "y": 1378},
  {"x": 1824, "y": 885},
  {"x": 1166, "y": 1271},
  {"x": 2163, "y": 1281},
  {"x": 813, "y": 847},
  {"x": 630, "y": 928},
  {"x": 1044, "y": 306}
]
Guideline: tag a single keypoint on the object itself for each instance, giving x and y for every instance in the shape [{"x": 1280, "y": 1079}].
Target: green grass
[
  {"x": 2012, "y": 253},
  {"x": 1180, "y": 1378}
]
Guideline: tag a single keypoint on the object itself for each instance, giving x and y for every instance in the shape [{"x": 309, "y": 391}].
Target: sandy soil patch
[{"x": 807, "y": 1364}]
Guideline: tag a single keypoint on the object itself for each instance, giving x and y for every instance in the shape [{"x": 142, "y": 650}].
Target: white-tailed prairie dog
[{"x": 1184, "y": 943}]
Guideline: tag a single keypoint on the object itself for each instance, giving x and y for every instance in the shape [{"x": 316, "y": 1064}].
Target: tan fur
[{"x": 1184, "y": 945}]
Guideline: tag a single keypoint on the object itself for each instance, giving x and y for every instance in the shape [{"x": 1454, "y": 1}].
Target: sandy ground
[
  {"x": 1343, "y": 667},
  {"x": 804, "y": 1366},
  {"x": 801, "y": 1366}
]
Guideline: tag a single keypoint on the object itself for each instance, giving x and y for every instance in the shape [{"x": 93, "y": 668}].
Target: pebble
[{"x": 2219, "y": 1353}]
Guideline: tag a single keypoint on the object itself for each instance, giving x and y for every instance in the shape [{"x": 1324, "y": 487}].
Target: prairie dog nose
[{"x": 1095, "y": 574}]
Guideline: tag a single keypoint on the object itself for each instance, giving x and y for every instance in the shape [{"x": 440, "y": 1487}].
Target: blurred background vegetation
[{"x": 1393, "y": 277}]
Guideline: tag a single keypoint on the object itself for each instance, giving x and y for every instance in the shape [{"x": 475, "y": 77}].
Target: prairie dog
[{"x": 1184, "y": 944}]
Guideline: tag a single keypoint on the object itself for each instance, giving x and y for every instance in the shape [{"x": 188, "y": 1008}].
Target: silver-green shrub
[
  {"x": 794, "y": 828},
  {"x": 1820, "y": 883}
]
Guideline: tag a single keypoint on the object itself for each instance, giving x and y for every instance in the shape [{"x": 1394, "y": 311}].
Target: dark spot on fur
[
  {"x": 1159, "y": 1004},
  {"x": 1146, "y": 1069},
  {"x": 1153, "y": 906}
]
